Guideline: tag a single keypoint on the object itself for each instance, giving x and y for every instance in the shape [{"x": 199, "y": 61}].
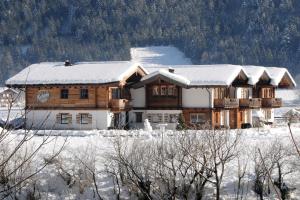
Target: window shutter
[
  {"x": 58, "y": 118},
  {"x": 166, "y": 118},
  {"x": 70, "y": 118},
  {"x": 149, "y": 116},
  {"x": 90, "y": 118},
  {"x": 78, "y": 118}
]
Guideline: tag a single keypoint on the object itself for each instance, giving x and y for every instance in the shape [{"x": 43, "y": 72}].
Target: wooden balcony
[
  {"x": 226, "y": 103},
  {"x": 250, "y": 103},
  {"x": 119, "y": 104},
  {"x": 271, "y": 102}
]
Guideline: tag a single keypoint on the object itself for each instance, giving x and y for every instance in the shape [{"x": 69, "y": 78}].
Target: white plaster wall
[
  {"x": 138, "y": 97},
  {"x": 46, "y": 119},
  {"x": 196, "y": 98}
]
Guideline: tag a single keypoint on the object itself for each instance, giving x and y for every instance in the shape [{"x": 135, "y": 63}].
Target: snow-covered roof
[
  {"x": 224, "y": 74},
  {"x": 255, "y": 73},
  {"x": 78, "y": 73},
  {"x": 3, "y": 89},
  {"x": 278, "y": 73},
  {"x": 205, "y": 75},
  {"x": 159, "y": 55},
  {"x": 165, "y": 73}
]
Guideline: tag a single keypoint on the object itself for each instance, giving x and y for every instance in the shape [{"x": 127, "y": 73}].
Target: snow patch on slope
[{"x": 159, "y": 55}]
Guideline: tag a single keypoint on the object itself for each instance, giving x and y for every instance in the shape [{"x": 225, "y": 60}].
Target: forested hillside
[{"x": 258, "y": 32}]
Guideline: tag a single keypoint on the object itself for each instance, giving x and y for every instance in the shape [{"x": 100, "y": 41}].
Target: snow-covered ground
[{"x": 82, "y": 144}]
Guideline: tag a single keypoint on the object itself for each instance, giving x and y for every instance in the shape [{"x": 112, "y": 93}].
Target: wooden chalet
[{"x": 102, "y": 95}]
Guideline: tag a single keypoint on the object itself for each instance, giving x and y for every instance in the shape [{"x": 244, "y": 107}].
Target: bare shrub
[
  {"x": 176, "y": 167},
  {"x": 20, "y": 161}
]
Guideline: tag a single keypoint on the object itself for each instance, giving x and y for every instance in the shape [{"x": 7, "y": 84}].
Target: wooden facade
[{"x": 161, "y": 94}]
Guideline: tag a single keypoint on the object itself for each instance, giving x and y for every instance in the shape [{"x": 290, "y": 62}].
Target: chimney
[
  {"x": 171, "y": 70},
  {"x": 68, "y": 63}
]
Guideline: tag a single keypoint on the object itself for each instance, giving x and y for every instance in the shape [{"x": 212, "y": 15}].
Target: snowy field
[{"x": 83, "y": 144}]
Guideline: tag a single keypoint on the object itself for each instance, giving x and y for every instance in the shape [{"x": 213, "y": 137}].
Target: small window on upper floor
[
  {"x": 115, "y": 93},
  {"x": 84, "y": 93},
  {"x": 155, "y": 90},
  {"x": 171, "y": 91},
  {"x": 164, "y": 90},
  {"x": 64, "y": 93}
]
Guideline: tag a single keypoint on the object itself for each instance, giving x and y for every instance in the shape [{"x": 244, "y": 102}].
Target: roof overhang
[{"x": 165, "y": 76}]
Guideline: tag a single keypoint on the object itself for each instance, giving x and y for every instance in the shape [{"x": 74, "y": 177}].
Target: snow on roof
[
  {"x": 277, "y": 74},
  {"x": 206, "y": 75},
  {"x": 3, "y": 89},
  {"x": 159, "y": 55},
  {"x": 224, "y": 74},
  {"x": 254, "y": 73},
  {"x": 166, "y": 73},
  {"x": 78, "y": 73}
]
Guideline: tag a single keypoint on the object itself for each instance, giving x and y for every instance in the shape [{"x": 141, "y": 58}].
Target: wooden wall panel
[
  {"x": 187, "y": 112},
  {"x": 97, "y": 97},
  {"x": 160, "y": 101},
  {"x": 102, "y": 97}
]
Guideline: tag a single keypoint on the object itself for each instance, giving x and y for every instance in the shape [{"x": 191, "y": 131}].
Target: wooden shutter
[
  {"x": 58, "y": 118},
  {"x": 78, "y": 118},
  {"x": 69, "y": 118},
  {"x": 90, "y": 118}
]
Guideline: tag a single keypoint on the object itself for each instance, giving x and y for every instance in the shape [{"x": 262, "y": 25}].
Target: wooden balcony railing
[
  {"x": 271, "y": 102},
  {"x": 119, "y": 104},
  {"x": 250, "y": 103},
  {"x": 226, "y": 103}
]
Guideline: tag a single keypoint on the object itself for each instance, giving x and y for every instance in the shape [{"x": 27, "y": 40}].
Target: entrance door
[
  {"x": 117, "y": 120},
  {"x": 233, "y": 118}
]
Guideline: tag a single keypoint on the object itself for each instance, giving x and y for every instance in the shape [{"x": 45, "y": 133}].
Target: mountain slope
[{"x": 254, "y": 32}]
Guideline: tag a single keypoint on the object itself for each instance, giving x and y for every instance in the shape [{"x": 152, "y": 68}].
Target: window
[
  {"x": 171, "y": 91},
  {"x": 116, "y": 93},
  {"x": 155, "y": 118},
  {"x": 64, "y": 93},
  {"x": 155, "y": 91},
  {"x": 267, "y": 92},
  {"x": 138, "y": 117},
  {"x": 268, "y": 114},
  {"x": 164, "y": 90},
  {"x": 245, "y": 93},
  {"x": 84, "y": 118},
  {"x": 84, "y": 93},
  {"x": 64, "y": 118},
  {"x": 197, "y": 118},
  {"x": 220, "y": 93}
]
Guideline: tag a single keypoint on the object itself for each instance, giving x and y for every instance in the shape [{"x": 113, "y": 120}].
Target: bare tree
[
  {"x": 19, "y": 160},
  {"x": 222, "y": 147},
  {"x": 241, "y": 173},
  {"x": 178, "y": 168}
]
